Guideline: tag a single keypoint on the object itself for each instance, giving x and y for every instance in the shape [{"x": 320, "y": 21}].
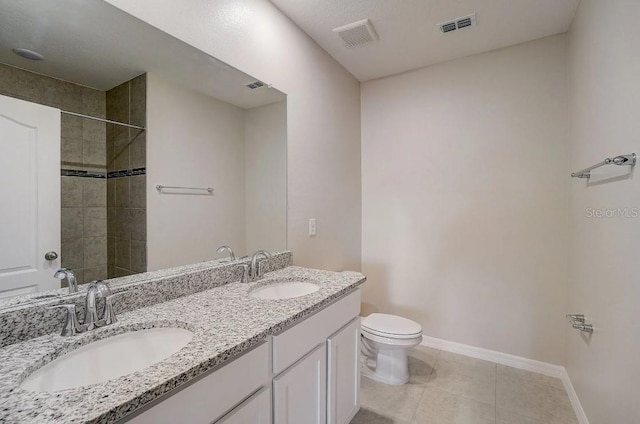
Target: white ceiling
[
  {"x": 409, "y": 37},
  {"x": 95, "y": 44}
]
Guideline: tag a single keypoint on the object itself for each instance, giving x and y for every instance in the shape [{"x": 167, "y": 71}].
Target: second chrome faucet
[{"x": 254, "y": 269}]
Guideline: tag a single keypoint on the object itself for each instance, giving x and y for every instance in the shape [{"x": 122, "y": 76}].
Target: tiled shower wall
[
  {"x": 126, "y": 184},
  {"x": 83, "y": 150},
  {"x": 84, "y": 160}
]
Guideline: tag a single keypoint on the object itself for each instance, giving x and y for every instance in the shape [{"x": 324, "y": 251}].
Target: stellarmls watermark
[{"x": 627, "y": 212}]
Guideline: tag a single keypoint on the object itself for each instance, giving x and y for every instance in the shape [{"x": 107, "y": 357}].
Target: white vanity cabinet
[
  {"x": 306, "y": 374},
  {"x": 343, "y": 376},
  {"x": 316, "y": 364},
  {"x": 300, "y": 393},
  {"x": 208, "y": 398},
  {"x": 255, "y": 410}
]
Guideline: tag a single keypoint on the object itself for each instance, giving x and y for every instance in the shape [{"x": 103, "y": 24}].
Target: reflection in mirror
[{"x": 135, "y": 108}]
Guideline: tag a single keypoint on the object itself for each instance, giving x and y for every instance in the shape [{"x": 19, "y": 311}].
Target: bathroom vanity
[
  {"x": 297, "y": 368},
  {"x": 249, "y": 359}
]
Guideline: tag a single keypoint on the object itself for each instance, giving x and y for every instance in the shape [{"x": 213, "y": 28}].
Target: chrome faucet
[
  {"x": 66, "y": 273},
  {"x": 97, "y": 290},
  {"x": 255, "y": 271},
  {"x": 224, "y": 248}
]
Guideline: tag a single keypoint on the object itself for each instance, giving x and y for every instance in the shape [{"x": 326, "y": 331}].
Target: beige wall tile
[
  {"x": 138, "y": 150},
  {"x": 112, "y": 222},
  {"x": 94, "y": 131},
  {"x": 139, "y": 100},
  {"x": 95, "y": 222},
  {"x": 72, "y": 253},
  {"x": 138, "y": 191},
  {"x": 111, "y": 192},
  {"x": 138, "y": 256},
  {"x": 71, "y": 192},
  {"x": 14, "y": 81},
  {"x": 138, "y": 224},
  {"x": 62, "y": 94},
  {"x": 71, "y": 223},
  {"x": 71, "y": 126},
  {"x": 95, "y": 251},
  {"x": 94, "y": 155},
  {"x": 121, "y": 151},
  {"x": 121, "y": 272},
  {"x": 123, "y": 223},
  {"x": 95, "y": 273},
  {"x": 123, "y": 253},
  {"x": 117, "y": 101},
  {"x": 93, "y": 102},
  {"x": 111, "y": 250},
  {"x": 122, "y": 192},
  {"x": 71, "y": 152},
  {"x": 94, "y": 192}
]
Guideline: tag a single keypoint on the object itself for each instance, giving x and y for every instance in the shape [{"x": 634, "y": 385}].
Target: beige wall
[
  {"x": 464, "y": 202},
  {"x": 265, "y": 141},
  {"x": 604, "y": 63},
  {"x": 194, "y": 141},
  {"x": 323, "y": 119}
]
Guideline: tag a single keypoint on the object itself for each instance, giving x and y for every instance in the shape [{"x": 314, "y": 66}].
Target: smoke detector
[
  {"x": 357, "y": 33},
  {"x": 458, "y": 23}
]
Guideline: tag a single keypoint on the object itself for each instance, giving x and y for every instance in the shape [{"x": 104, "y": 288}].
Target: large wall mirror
[{"x": 160, "y": 153}]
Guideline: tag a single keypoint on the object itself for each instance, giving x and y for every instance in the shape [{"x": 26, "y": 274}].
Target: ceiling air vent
[
  {"x": 357, "y": 33},
  {"x": 458, "y": 23},
  {"x": 255, "y": 84}
]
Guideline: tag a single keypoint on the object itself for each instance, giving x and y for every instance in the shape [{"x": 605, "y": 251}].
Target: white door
[
  {"x": 255, "y": 410},
  {"x": 343, "y": 375},
  {"x": 29, "y": 196},
  {"x": 300, "y": 393}
]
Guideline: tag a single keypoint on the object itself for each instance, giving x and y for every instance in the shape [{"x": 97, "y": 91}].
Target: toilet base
[
  {"x": 392, "y": 367},
  {"x": 385, "y": 363}
]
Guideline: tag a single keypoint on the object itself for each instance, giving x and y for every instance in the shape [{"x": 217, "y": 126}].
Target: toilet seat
[{"x": 390, "y": 327}]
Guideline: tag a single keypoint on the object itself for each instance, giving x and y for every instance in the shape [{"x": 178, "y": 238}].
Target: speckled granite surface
[
  {"x": 23, "y": 321},
  {"x": 225, "y": 320}
]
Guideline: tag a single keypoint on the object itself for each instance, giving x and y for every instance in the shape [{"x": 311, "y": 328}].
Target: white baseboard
[{"x": 512, "y": 361}]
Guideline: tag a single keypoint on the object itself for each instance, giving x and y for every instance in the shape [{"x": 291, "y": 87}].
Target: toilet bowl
[{"x": 386, "y": 338}]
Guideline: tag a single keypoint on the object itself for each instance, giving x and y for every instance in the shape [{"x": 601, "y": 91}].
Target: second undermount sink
[
  {"x": 284, "y": 290},
  {"x": 107, "y": 359}
]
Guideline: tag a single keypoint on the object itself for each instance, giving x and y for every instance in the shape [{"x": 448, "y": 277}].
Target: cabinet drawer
[
  {"x": 294, "y": 343},
  {"x": 255, "y": 410},
  {"x": 209, "y": 397}
]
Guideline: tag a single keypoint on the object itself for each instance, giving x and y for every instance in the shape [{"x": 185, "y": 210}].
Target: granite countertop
[{"x": 225, "y": 321}]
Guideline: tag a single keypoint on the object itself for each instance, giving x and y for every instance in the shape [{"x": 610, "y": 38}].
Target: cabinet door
[
  {"x": 255, "y": 410},
  {"x": 343, "y": 376},
  {"x": 300, "y": 393}
]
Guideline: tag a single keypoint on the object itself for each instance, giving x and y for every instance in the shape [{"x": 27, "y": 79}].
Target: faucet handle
[
  {"x": 71, "y": 325},
  {"x": 245, "y": 273},
  {"x": 109, "y": 314}
]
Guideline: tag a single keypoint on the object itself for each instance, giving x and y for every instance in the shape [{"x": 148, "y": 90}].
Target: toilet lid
[{"x": 391, "y": 326}]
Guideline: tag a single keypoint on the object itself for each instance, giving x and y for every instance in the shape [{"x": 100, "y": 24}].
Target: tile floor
[{"x": 446, "y": 388}]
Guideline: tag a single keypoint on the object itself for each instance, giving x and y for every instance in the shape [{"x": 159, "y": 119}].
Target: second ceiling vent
[
  {"x": 357, "y": 33},
  {"x": 458, "y": 23}
]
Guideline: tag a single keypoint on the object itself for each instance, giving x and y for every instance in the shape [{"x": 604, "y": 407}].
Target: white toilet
[{"x": 387, "y": 338}]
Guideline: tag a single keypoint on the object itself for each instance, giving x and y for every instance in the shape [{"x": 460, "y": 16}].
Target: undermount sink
[
  {"x": 284, "y": 290},
  {"x": 107, "y": 359}
]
